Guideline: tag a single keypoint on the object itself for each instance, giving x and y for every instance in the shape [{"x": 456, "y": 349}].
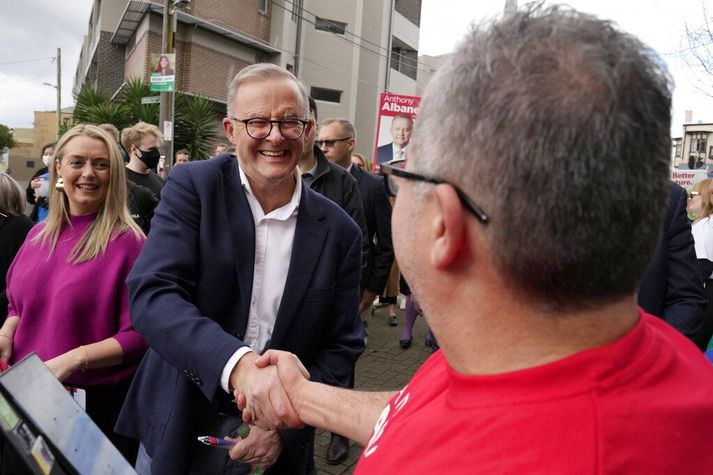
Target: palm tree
[
  {"x": 194, "y": 127},
  {"x": 195, "y": 116},
  {"x": 133, "y": 91}
]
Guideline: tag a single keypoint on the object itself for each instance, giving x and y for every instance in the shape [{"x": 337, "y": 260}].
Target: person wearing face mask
[
  {"x": 142, "y": 142},
  {"x": 34, "y": 193}
]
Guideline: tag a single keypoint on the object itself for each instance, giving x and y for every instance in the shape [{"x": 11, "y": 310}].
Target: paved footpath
[{"x": 383, "y": 366}]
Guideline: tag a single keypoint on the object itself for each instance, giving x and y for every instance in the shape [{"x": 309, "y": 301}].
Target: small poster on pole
[
  {"x": 163, "y": 72},
  {"x": 396, "y": 115}
]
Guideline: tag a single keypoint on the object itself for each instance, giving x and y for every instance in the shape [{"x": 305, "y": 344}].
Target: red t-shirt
[{"x": 643, "y": 404}]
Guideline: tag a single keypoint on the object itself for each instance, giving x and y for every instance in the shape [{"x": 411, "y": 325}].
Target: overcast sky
[
  {"x": 658, "y": 23},
  {"x": 34, "y": 29}
]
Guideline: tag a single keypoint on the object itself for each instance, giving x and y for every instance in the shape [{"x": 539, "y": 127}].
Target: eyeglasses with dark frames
[
  {"x": 691, "y": 194},
  {"x": 291, "y": 129},
  {"x": 395, "y": 168},
  {"x": 330, "y": 143}
]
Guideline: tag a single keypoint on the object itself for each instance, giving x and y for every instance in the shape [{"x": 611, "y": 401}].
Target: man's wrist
[{"x": 244, "y": 366}]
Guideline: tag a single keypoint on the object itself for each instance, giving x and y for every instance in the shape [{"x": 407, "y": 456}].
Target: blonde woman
[
  {"x": 359, "y": 160},
  {"x": 79, "y": 324},
  {"x": 701, "y": 206}
]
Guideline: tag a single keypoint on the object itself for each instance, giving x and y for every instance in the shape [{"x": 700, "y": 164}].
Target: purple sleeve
[
  {"x": 130, "y": 341},
  {"x": 11, "y": 310}
]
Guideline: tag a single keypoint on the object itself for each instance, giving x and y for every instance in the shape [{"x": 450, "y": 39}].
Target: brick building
[{"x": 346, "y": 52}]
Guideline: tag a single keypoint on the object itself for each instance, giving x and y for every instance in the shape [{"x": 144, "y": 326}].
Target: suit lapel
[
  {"x": 241, "y": 227},
  {"x": 310, "y": 234},
  {"x": 356, "y": 173}
]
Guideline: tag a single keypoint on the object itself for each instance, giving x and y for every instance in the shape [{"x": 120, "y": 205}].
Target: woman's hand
[
  {"x": 5, "y": 348},
  {"x": 66, "y": 364}
]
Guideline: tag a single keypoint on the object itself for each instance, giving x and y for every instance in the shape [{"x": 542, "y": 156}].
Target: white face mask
[{"x": 46, "y": 159}]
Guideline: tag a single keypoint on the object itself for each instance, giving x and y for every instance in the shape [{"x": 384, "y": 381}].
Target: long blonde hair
[{"x": 113, "y": 218}]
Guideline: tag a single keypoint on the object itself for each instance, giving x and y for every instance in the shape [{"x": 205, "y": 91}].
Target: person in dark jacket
[
  {"x": 332, "y": 181},
  {"x": 39, "y": 211},
  {"x": 140, "y": 200},
  {"x": 337, "y": 184},
  {"x": 671, "y": 288},
  {"x": 14, "y": 226},
  {"x": 337, "y": 139}
]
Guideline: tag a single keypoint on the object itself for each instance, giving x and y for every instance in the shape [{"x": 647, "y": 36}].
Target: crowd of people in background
[{"x": 241, "y": 288}]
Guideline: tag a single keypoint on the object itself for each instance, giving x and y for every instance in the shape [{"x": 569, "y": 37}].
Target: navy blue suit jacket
[
  {"x": 385, "y": 153},
  {"x": 671, "y": 288},
  {"x": 190, "y": 292},
  {"x": 377, "y": 211}
]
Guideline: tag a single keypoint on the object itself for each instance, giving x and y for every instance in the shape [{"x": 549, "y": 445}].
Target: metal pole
[
  {"x": 59, "y": 90},
  {"x": 166, "y": 106},
  {"x": 387, "y": 74},
  {"x": 298, "y": 39}
]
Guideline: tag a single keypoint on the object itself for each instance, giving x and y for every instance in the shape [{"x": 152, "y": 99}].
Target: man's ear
[
  {"x": 229, "y": 128},
  {"x": 448, "y": 227}
]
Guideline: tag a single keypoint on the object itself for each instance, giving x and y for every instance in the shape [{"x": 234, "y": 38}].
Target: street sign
[{"x": 151, "y": 100}]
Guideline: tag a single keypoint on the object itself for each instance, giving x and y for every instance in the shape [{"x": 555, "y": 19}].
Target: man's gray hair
[
  {"x": 264, "y": 72},
  {"x": 558, "y": 125},
  {"x": 347, "y": 126}
]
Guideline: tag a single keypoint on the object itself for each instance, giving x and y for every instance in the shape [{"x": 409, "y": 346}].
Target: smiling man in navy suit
[{"x": 242, "y": 258}]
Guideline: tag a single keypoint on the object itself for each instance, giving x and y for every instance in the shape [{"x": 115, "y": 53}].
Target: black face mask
[{"x": 150, "y": 157}]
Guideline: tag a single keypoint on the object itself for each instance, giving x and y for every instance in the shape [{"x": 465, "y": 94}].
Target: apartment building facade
[
  {"x": 694, "y": 150},
  {"x": 347, "y": 52}
]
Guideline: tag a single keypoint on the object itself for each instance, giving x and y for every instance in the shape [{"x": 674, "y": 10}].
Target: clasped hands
[{"x": 265, "y": 388}]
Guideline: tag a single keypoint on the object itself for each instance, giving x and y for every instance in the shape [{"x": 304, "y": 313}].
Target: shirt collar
[
  {"x": 313, "y": 171},
  {"x": 284, "y": 212}
]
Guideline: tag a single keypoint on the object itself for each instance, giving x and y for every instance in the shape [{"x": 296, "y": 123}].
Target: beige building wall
[
  {"x": 20, "y": 155},
  {"x": 25, "y": 159},
  {"x": 354, "y": 63}
]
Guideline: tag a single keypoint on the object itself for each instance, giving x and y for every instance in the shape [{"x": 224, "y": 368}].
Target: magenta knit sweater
[{"x": 63, "y": 305}]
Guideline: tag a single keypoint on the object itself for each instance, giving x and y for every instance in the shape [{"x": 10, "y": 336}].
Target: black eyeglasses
[
  {"x": 330, "y": 143},
  {"x": 395, "y": 168},
  {"x": 691, "y": 194},
  {"x": 291, "y": 129}
]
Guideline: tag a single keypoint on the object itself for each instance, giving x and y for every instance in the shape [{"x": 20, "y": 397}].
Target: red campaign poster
[{"x": 395, "y": 124}]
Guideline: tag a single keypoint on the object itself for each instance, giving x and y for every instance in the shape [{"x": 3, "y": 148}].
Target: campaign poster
[
  {"x": 163, "y": 72},
  {"x": 395, "y": 124},
  {"x": 688, "y": 178}
]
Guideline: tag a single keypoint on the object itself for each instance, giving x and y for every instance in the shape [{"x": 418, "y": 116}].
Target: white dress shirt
[
  {"x": 276, "y": 232},
  {"x": 399, "y": 153}
]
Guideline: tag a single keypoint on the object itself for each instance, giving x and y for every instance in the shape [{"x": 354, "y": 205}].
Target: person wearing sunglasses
[
  {"x": 379, "y": 251},
  {"x": 528, "y": 211},
  {"x": 700, "y": 205}
]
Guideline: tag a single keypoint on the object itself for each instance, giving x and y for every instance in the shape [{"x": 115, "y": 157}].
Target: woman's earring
[{"x": 60, "y": 184}]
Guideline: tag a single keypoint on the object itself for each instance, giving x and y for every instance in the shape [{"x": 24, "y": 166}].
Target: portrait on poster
[
  {"x": 395, "y": 125},
  {"x": 163, "y": 73}
]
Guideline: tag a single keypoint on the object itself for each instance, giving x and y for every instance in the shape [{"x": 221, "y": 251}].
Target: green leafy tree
[
  {"x": 195, "y": 117},
  {"x": 194, "y": 127},
  {"x": 6, "y": 137},
  {"x": 131, "y": 94}
]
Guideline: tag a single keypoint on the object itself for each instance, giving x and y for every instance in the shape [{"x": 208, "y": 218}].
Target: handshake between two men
[{"x": 274, "y": 392}]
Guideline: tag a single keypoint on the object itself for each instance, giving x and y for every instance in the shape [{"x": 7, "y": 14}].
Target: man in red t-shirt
[{"x": 527, "y": 213}]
